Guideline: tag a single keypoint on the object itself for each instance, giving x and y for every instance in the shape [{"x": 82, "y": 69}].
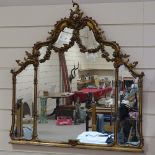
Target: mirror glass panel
[
  {"x": 68, "y": 85},
  {"x": 87, "y": 38},
  {"x": 128, "y": 126},
  {"x": 49, "y": 83},
  {"x": 64, "y": 37},
  {"x": 24, "y": 103}
]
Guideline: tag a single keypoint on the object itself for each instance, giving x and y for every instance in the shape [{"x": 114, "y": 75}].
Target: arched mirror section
[
  {"x": 77, "y": 89},
  {"x": 23, "y": 100},
  {"x": 130, "y": 105}
]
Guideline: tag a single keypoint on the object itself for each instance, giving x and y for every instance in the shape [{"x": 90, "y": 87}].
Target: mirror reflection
[
  {"x": 76, "y": 95},
  {"x": 128, "y": 132},
  {"x": 88, "y": 39},
  {"x": 64, "y": 37},
  {"x": 24, "y": 103}
]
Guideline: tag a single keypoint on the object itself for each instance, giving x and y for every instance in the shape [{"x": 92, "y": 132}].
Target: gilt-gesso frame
[{"x": 76, "y": 21}]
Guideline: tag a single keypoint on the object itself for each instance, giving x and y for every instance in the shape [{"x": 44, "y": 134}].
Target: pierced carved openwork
[{"x": 98, "y": 93}]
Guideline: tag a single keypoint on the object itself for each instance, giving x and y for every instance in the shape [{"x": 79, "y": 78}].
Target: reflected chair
[{"x": 107, "y": 115}]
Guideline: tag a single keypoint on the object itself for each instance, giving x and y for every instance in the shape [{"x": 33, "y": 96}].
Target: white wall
[
  {"x": 131, "y": 24},
  {"x": 73, "y": 57},
  {"x": 24, "y": 86}
]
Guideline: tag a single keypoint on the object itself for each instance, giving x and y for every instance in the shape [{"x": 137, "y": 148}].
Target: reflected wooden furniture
[
  {"x": 19, "y": 118},
  {"x": 43, "y": 110},
  {"x": 98, "y": 110},
  {"x": 43, "y": 102},
  {"x": 83, "y": 84}
]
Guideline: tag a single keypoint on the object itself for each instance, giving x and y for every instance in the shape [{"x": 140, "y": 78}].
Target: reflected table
[
  {"x": 43, "y": 101},
  {"x": 96, "y": 92}
]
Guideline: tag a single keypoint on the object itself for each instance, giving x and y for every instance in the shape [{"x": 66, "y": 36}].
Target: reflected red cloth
[{"x": 97, "y": 93}]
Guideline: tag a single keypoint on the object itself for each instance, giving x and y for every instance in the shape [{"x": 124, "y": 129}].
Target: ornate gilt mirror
[{"x": 77, "y": 89}]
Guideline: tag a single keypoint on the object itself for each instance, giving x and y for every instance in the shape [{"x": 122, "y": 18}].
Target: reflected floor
[{"x": 52, "y": 132}]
